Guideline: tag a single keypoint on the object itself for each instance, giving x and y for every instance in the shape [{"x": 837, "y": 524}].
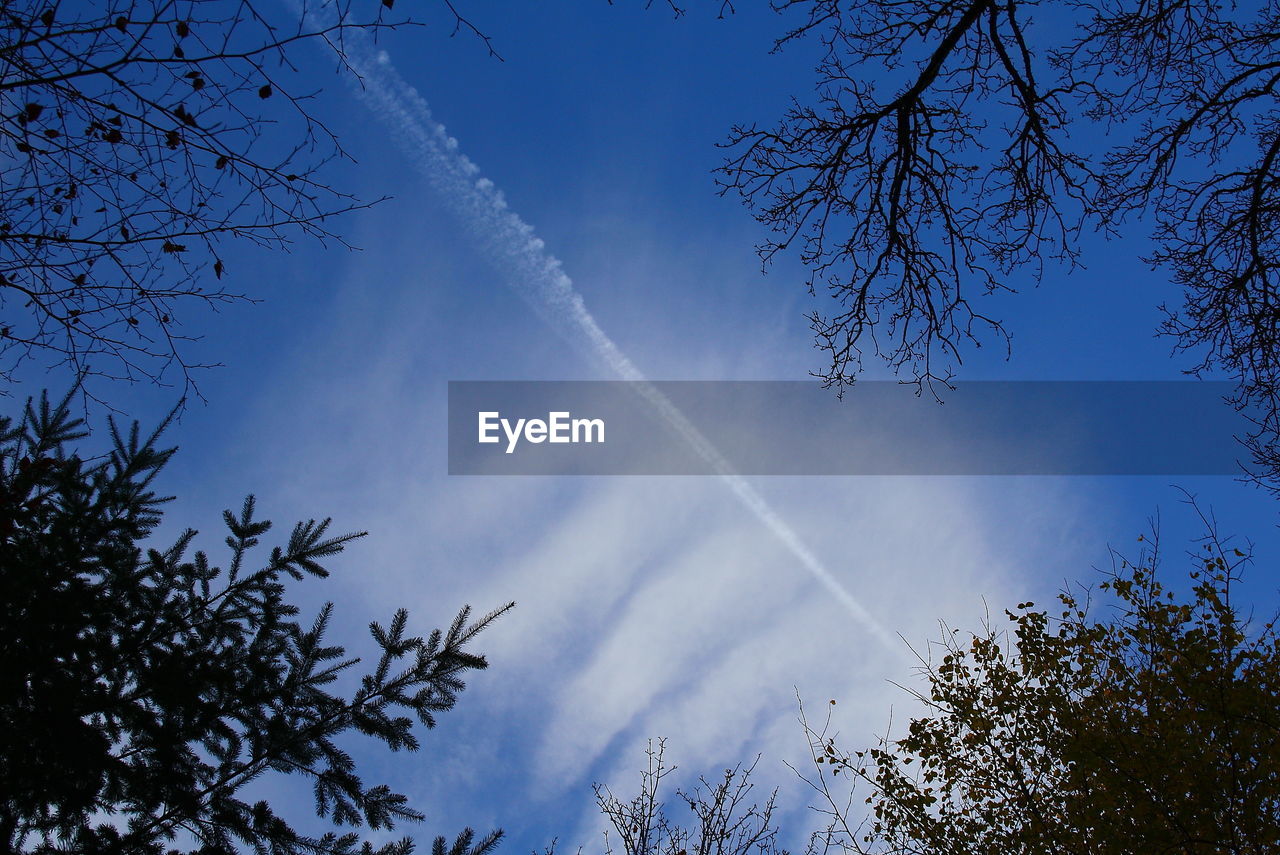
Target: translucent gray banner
[{"x": 877, "y": 428}]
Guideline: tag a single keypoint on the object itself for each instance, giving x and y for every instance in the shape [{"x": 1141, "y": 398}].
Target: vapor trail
[{"x": 539, "y": 278}]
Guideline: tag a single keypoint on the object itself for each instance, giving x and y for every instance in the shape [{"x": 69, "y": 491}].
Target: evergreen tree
[{"x": 143, "y": 686}]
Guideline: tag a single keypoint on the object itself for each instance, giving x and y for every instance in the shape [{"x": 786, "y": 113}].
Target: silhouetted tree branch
[
  {"x": 904, "y": 204},
  {"x": 723, "y": 820},
  {"x": 137, "y": 139},
  {"x": 995, "y": 141},
  {"x": 144, "y": 686}
]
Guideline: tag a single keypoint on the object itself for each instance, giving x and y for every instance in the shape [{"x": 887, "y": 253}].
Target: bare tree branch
[{"x": 138, "y": 139}]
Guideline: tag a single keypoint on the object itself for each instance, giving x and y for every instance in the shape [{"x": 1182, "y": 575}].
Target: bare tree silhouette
[
  {"x": 722, "y": 821},
  {"x": 137, "y": 137},
  {"x": 1000, "y": 139}
]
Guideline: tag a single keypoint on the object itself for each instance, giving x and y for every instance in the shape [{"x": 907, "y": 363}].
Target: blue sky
[{"x": 647, "y": 607}]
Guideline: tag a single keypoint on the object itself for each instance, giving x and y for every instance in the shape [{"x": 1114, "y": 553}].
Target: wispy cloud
[{"x": 538, "y": 276}]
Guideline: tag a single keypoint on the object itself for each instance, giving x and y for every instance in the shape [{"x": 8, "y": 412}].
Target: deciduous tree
[{"x": 1143, "y": 723}]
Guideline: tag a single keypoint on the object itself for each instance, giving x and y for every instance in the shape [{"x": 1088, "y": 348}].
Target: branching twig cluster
[
  {"x": 957, "y": 146},
  {"x": 137, "y": 139}
]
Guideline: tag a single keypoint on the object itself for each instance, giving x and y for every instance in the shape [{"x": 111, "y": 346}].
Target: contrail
[{"x": 539, "y": 277}]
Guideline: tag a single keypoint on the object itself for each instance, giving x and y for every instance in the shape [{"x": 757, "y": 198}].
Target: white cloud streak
[{"x": 538, "y": 277}]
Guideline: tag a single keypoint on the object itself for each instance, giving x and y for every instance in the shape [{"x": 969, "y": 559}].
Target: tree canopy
[
  {"x": 1144, "y": 722},
  {"x": 144, "y": 685}
]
